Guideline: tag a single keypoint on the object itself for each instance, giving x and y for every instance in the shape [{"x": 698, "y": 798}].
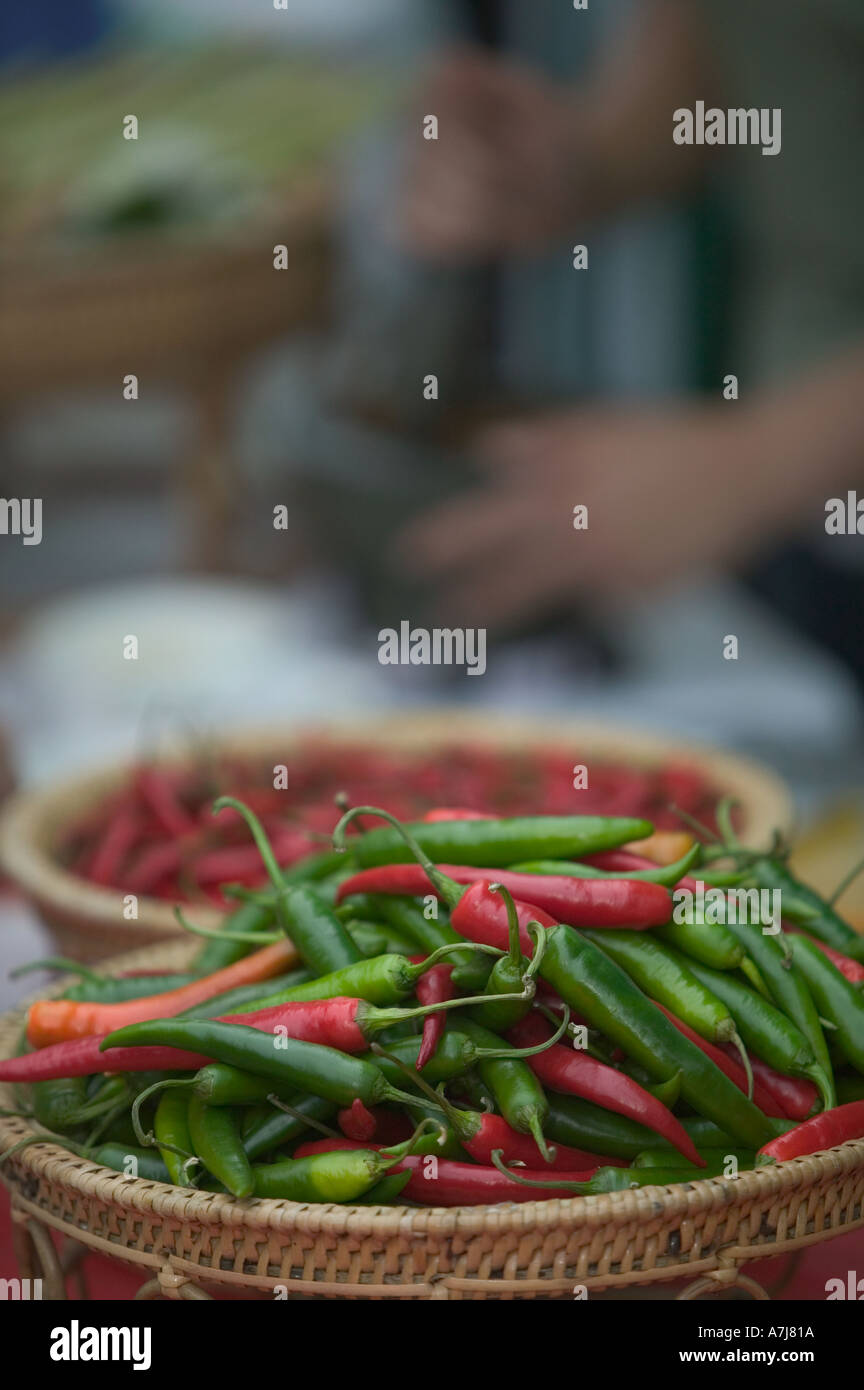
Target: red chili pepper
[
  {"x": 454, "y": 813},
  {"x": 118, "y": 839},
  {"x": 573, "y": 1072},
  {"x": 159, "y": 796},
  {"x": 832, "y": 1127},
  {"x": 356, "y": 1122},
  {"x": 481, "y": 915},
  {"x": 329, "y": 1022},
  {"x": 494, "y": 1133},
  {"x": 383, "y": 1125},
  {"x": 735, "y": 1072},
  {"x": 579, "y": 902},
  {"x": 232, "y": 862},
  {"x": 795, "y": 1095},
  {"x": 153, "y": 864},
  {"x": 433, "y": 988},
  {"x": 82, "y": 1057},
  {"x": 852, "y": 969},
  {"x": 442, "y": 1182}
]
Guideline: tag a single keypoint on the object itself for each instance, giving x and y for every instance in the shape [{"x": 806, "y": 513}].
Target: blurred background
[{"x": 303, "y": 387}]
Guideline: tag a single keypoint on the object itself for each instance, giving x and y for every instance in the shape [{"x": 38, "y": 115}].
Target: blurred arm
[
  {"x": 520, "y": 158},
  {"x": 661, "y": 63}
]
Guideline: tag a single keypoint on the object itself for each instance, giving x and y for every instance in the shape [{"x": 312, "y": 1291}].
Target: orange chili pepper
[
  {"x": 58, "y": 1020},
  {"x": 664, "y": 846}
]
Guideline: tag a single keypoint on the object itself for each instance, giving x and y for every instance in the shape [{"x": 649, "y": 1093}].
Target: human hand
[
  {"x": 668, "y": 493},
  {"x": 503, "y": 174}
]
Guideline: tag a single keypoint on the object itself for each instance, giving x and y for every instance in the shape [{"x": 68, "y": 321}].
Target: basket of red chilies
[
  {"x": 81, "y": 849},
  {"x": 427, "y": 1032}
]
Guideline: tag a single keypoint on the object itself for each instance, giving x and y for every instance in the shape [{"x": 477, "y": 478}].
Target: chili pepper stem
[
  {"x": 538, "y": 937},
  {"x": 70, "y": 967},
  {"x": 392, "y": 1093},
  {"x": 45, "y": 1137},
  {"x": 451, "y": 892},
  {"x": 580, "y": 1188},
  {"x": 260, "y": 938},
  {"x": 436, "y": 1097},
  {"x": 148, "y": 1140},
  {"x": 385, "y": 1018},
  {"x": 488, "y": 1054},
  {"x": 736, "y": 1042},
  {"x": 695, "y": 825},
  {"x": 514, "y": 943},
  {"x": 400, "y": 1151},
  {"x": 308, "y": 1120},
  {"x": 265, "y": 849},
  {"x": 845, "y": 882},
  {"x": 452, "y": 946}
]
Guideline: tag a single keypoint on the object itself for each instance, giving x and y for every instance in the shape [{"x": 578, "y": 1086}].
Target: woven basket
[
  {"x": 87, "y": 920},
  {"x": 195, "y": 1245}
]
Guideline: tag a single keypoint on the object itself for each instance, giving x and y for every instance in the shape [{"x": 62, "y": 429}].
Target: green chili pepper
[
  {"x": 836, "y": 998},
  {"x": 216, "y": 1140},
  {"x": 596, "y": 987},
  {"x": 307, "y": 1066},
  {"x": 215, "y": 954},
  {"x": 804, "y": 905},
  {"x": 57, "y": 1104},
  {"x": 221, "y": 1084},
  {"x": 705, "y": 1135},
  {"x": 116, "y": 990},
  {"x": 511, "y": 974},
  {"x": 665, "y": 874},
  {"x": 715, "y": 1159},
  {"x": 667, "y": 1092},
  {"x": 518, "y": 1094},
  {"x": 709, "y": 943},
  {"x": 582, "y": 1125},
  {"x": 120, "y": 1130},
  {"x": 266, "y": 1128},
  {"x": 317, "y": 933},
  {"x": 385, "y": 1192},
  {"x": 383, "y": 980},
  {"x": 171, "y": 1128},
  {"x": 321, "y": 939},
  {"x": 470, "y": 971},
  {"x": 341, "y": 1176},
  {"x": 790, "y": 993},
  {"x": 144, "y": 1162},
  {"x": 372, "y": 939},
  {"x": 452, "y": 1057},
  {"x": 236, "y": 1001},
  {"x": 666, "y": 976},
  {"x": 497, "y": 843},
  {"x": 765, "y": 1030}
]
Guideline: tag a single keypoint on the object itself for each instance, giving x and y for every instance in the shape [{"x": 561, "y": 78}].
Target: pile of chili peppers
[
  {"x": 466, "y": 1010},
  {"x": 155, "y": 836}
]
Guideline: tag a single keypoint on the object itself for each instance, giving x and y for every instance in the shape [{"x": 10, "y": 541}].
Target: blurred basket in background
[{"x": 87, "y": 919}]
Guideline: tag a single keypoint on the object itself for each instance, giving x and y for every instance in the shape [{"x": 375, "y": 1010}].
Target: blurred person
[{"x": 523, "y": 162}]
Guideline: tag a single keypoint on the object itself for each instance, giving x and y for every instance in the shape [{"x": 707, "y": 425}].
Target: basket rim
[
  {"x": 26, "y": 814},
  {"x": 146, "y": 1195}
]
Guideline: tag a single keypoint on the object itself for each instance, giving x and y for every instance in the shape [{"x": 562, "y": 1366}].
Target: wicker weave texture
[{"x": 539, "y": 1249}]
